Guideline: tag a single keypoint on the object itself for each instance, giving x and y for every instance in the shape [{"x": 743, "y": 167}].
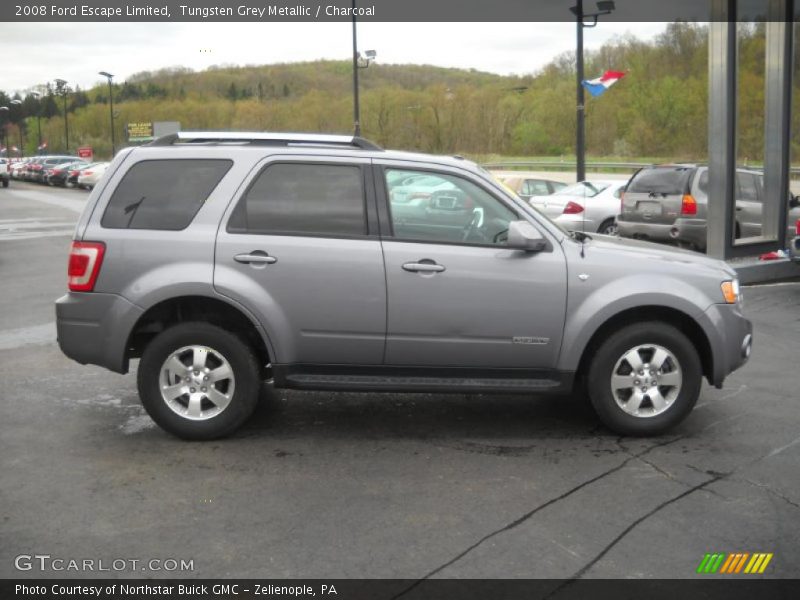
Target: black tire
[
  {"x": 243, "y": 364},
  {"x": 608, "y": 227},
  {"x": 5, "y": 182},
  {"x": 612, "y": 350}
]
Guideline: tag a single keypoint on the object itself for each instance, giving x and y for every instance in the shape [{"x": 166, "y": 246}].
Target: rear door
[
  {"x": 457, "y": 296},
  {"x": 299, "y": 250},
  {"x": 655, "y": 194}
]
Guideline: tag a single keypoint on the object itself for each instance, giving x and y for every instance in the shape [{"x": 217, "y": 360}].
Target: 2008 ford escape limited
[{"x": 331, "y": 264}]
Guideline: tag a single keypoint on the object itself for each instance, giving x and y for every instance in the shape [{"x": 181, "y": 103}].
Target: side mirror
[
  {"x": 794, "y": 201},
  {"x": 524, "y": 236}
]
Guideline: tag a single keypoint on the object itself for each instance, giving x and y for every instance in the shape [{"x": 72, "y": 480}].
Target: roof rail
[{"x": 262, "y": 138}]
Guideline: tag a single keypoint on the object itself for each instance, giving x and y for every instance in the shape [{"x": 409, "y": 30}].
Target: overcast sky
[{"x": 40, "y": 52}]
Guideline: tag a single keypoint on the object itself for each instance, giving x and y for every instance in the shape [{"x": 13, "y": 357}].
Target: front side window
[
  {"x": 313, "y": 199},
  {"x": 444, "y": 208},
  {"x": 163, "y": 194}
]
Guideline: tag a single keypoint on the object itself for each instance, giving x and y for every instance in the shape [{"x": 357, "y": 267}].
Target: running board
[{"x": 417, "y": 383}]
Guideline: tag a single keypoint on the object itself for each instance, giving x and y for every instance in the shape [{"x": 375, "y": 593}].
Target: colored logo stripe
[{"x": 733, "y": 563}]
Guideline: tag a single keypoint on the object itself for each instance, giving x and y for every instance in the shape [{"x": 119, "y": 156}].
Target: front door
[{"x": 457, "y": 296}]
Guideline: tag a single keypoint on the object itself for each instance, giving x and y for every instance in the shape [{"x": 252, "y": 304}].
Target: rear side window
[
  {"x": 748, "y": 186},
  {"x": 163, "y": 194},
  {"x": 662, "y": 180},
  {"x": 312, "y": 199}
]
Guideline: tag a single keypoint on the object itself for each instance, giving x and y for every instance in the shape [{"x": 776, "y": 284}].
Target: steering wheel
[{"x": 472, "y": 227}]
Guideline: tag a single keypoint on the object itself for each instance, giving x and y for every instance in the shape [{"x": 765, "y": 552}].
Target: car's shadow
[{"x": 283, "y": 413}]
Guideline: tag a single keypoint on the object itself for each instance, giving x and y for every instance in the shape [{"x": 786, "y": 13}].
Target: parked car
[
  {"x": 584, "y": 206},
  {"x": 794, "y": 241},
  {"x": 596, "y": 213},
  {"x": 41, "y": 166},
  {"x": 221, "y": 265},
  {"x": 16, "y": 169},
  {"x": 59, "y": 174},
  {"x": 669, "y": 203},
  {"x": 89, "y": 177},
  {"x": 525, "y": 187}
]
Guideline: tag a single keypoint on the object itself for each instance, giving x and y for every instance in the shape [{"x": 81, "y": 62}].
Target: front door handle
[
  {"x": 257, "y": 257},
  {"x": 423, "y": 267}
]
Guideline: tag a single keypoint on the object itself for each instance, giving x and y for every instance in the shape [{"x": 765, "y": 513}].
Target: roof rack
[{"x": 262, "y": 138}]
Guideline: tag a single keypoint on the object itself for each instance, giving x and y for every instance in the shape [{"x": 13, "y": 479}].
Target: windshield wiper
[{"x": 132, "y": 208}]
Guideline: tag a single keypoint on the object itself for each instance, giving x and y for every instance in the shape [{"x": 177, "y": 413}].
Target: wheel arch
[
  {"x": 672, "y": 316},
  {"x": 181, "y": 309}
]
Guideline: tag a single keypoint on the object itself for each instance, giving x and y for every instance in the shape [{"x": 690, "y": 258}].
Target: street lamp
[
  {"x": 109, "y": 76},
  {"x": 18, "y": 102},
  {"x": 61, "y": 88},
  {"x": 604, "y": 7},
  {"x": 359, "y": 62}
]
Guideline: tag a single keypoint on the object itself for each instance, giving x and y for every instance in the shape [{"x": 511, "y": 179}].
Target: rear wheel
[
  {"x": 199, "y": 381},
  {"x": 608, "y": 227},
  {"x": 644, "y": 379}
]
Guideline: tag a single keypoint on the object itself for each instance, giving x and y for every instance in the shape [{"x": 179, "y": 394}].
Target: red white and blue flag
[{"x": 597, "y": 87}]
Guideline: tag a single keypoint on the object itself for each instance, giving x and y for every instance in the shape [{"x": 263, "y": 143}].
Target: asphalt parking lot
[{"x": 325, "y": 485}]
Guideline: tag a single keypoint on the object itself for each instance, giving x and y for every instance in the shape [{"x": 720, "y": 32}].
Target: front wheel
[
  {"x": 644, "y": 379},
  {"x": 198, "y": 381}
]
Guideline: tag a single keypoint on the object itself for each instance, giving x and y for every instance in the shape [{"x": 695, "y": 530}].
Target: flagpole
[{"x": 580, "y": 150}]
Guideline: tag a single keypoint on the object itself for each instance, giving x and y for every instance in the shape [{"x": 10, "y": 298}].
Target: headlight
[{"x": 731, "y": 292}]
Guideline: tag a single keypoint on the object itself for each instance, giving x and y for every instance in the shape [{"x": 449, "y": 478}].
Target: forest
[{"x": 658, "y": 110}]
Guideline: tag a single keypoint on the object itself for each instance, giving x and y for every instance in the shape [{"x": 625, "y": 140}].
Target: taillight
[
  {"x": 797, "y": 227},
  {"x": 85, "y": 259},
  {"x": 572, "y": 208},
  {"x": 86, "y": 173},
  {"x": 688, "y": 205}
]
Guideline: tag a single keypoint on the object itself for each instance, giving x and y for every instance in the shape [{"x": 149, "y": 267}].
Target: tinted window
[
  {"x": 313, "y": 199},
  {"x": 448, "y": 209},
  {"x": 662, "y": 180},
  {"x": 747, "y": 187},
  {"x": 163, "y": 194}
]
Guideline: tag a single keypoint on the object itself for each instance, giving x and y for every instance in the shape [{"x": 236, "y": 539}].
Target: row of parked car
[
  {"x": 660, "y": 203},
  {"x": 64, "y": 171}
]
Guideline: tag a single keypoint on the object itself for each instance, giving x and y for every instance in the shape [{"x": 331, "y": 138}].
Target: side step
[{"x": 394, "y": 383}]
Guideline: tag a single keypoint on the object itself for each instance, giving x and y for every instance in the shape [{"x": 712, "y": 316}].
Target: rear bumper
[
  {"x": 646, "y": 231},
  {"x": 732, "y": 342},
  {"x": 691, "y": 231},
  {"x": 94, "y": 328}
]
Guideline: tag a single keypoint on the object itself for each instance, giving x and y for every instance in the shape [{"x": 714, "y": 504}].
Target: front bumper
[
  {"x": 93, "y": 328},
  {"x": 732, "y": 340}
]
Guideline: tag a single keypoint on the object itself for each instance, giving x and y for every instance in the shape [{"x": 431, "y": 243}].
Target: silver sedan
[{"x": 585, "y": 206}]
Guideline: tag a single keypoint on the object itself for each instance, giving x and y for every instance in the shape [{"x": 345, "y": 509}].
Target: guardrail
[{"x": 545, "y": 165}]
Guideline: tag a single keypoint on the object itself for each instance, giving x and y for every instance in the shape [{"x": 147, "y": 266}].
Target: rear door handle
[
  {"x": 257, "y": 257},
  {"x": 423, "y": 267}
]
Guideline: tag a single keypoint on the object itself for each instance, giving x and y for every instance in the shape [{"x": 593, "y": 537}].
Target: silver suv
[
  {"x": 669, "y": 203},
  {"x": 225, "y": 259}
]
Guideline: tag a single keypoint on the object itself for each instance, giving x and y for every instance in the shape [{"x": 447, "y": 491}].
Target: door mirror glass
[{"x": 524, "y": 236}]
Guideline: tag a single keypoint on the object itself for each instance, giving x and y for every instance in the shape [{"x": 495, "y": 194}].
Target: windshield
[{"x": 582, "y": 188}]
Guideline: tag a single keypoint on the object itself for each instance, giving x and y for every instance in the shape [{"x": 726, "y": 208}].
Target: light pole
[
  {"x": 359, "y": 62},
  {"x": 109, "y": 76},
  {"x": 38, "y": 97},
  {"x": 604, "y": 7},
  {"x": 61, "y": 87},
  {"x": 18, "y": 102}
]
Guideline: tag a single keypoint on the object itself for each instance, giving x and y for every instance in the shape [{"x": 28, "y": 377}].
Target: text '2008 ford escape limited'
[{"x": 218, "y": 258}]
